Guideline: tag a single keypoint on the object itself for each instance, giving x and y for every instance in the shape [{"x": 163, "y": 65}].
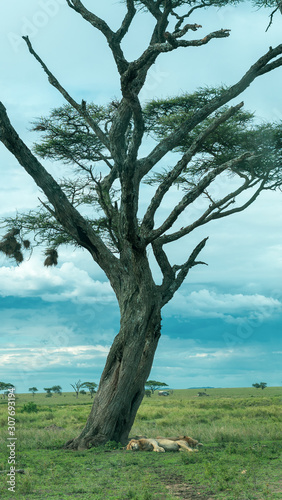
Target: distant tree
[
  {"x": 33, "y": 390},
  {"x": 261, "y": 385},
  {"x": 4, "y": 386},
  {"x": 153, "y": 385},
  {"x": 83, "y": 392},
  {"x": 91, "y": 386},
  {"x": 57, "y": 389},
  {"x": 77, "y": 386},
  {"x": 48, "y": 392}
]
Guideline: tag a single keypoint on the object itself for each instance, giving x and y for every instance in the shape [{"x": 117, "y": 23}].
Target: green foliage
[
  {"x": 68, "y": 138},
  {"x": 266, "y": 3},
  {"x": 30, "y": 408},
  {"x": 91, "y": 386},
  {"x": 33, "y": 390},
  {"x": 190, "y": 3},
  {"x": 261, "y": 385},
  {"x": 113, "y": 445},
  {"x": 56, "y": 389},
  {"x": 154, "y": 385},
  {"x": 4, "y": 386},
  {"x": 233, "y": 137},
  {"x": 48, "y": 392}
]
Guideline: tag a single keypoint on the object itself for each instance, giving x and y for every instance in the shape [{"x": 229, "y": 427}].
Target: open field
[{"x": 241, "y": 430}]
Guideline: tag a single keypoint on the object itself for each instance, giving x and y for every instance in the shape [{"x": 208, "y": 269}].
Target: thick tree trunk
[{"x": 128, "y": 366}]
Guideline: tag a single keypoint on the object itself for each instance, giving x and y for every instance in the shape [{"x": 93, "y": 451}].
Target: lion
[
  {"x": 144, "y": 444},
  {"x": 190, "y": 441},
  {"x": 161, "y": 444}
]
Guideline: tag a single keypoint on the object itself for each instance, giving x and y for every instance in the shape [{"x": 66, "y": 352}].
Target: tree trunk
[{"x": 128, "y": 366}]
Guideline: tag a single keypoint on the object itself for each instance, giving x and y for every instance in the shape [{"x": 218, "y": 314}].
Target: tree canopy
[
  {"x": 229, "y": 141},
  {"x": 154, "y": 385}
]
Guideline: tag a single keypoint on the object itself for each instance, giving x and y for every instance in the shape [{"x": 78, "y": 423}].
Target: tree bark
[{"x": 128, "y": 365}]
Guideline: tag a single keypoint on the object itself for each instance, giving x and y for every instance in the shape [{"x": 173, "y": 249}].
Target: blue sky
[{"x": 223, "y": 327}]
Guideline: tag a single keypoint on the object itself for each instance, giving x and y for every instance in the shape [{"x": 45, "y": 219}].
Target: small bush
[
  {"x": 112, "y": 445},
  {"x": 30, "y": 408},
  {"x": 49, "y": 416}
]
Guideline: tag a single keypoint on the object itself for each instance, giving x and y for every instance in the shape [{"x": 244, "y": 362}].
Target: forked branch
[
  {"x": 173, "y": 276},
  {"x": 113, "y": 38}
]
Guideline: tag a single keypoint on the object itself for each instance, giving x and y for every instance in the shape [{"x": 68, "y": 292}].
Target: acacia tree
[
  {"x": 77, "y": 386},
  {"x": 33, "y": 390},
  {"x": 57, "y": 389},
  {"x": 48, "y": 392},
  {"x": 91, "y": 386},
  {"x": 261, "y": 385},
  {"x": 103, "y": 145},
  {"x": 154, "y": 385},
  {"x": 4, "y": 386}
]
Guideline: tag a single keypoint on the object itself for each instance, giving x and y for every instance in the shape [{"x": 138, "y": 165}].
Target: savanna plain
[{"x": 241, "y": 456}]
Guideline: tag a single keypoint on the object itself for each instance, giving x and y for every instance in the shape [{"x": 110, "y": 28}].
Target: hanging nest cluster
[
  {"x": 11, "y": 245},
  {"x": 51, "y": 257}
]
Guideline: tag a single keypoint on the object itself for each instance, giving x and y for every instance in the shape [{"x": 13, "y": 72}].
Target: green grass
[{"x": 241, "y": 430}]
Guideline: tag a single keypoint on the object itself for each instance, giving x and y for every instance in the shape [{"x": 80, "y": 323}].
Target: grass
[{"x": 241, "y": 459}]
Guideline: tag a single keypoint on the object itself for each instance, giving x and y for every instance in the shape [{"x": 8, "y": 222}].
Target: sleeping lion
[
  {"x": 161, "y": 444},
  {"x": 190, "y": 441}
]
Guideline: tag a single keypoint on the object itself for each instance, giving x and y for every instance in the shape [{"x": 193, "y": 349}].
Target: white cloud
[
  {"x": 32, "y": 279},
  {"x": 208, "y": 304},
  {"x": 30, "y": 359}
]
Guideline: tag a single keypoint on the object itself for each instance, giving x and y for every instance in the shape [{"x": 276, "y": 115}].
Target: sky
[{"x": 223, "y": 327}]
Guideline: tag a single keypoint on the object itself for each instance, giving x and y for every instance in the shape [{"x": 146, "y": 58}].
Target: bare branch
[
  {"x": 279, "y": 7},
  {"x": 174, "y": 43},
  {"x": 150, "y": 54},
  {"x": 153, "y": 7},
  {"x": 221, "y": 213},
  {"x": 81, "y": 108},
  {"x": 113, "y": 39},
  {"x": 169, "y": 285},
  {"x": 96, "y": 21},
  {"x": 127, "y": 20},
  {"x": 181, "y": 18}
]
